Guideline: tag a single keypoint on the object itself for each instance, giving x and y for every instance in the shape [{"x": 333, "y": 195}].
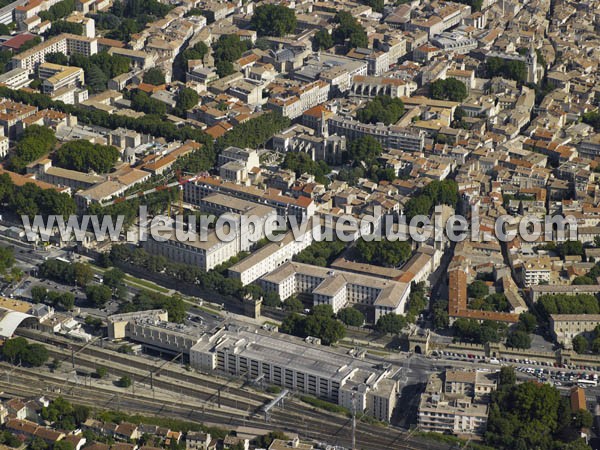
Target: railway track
[{"x": 302, "y": 419}]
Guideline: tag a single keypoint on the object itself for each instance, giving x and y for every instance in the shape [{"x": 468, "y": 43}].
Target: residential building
[{"x": 68, "y": 44}]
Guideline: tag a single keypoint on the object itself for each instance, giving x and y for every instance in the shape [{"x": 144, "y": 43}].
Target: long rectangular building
[
  {"x": 389, "y": 136},
  {"x": 304, "y": 367},
  {"x": 67, "y": 44}
]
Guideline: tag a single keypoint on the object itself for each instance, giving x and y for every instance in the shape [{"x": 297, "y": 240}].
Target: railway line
[{"x": 309, "y": 422}]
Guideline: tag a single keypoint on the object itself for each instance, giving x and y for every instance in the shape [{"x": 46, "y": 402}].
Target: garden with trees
[
  {"x": 383, "y": 252},
  {"x": 435, "y": 193},
  {"x": 273, "y": 20},
  {"x": 382, "y": 108},
  {"x": 449, "y": 89},
  {"x": 320, "y": 323},
  {"x": 349, "y": 32},
  {"x": 35, "y": 142},
  {"x": 533, "y": 415},
  {"x": 31, "y": 200},
  {"x": 506, "y": 68},
  {"x": 84, "y": 156}
]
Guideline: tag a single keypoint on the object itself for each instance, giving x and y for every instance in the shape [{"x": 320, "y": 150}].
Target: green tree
[
  {"x": 82, "y": 273},
  {"x": 154, "y": 76},
  {"x": 507, "y": 377},
  {"x": 512, "y": 69},
  {"x": 351, "y": 316},
  {"x": 477, "y": 289},
  {"x": 271, "y": 299},
  {"x": 101, "y": 372},
  {"x": 293, "y": 304},
  {"x": 7, "y": 259},
  {"x": 124, "y": 381},
  {"x": 186, "y": 99},
  {"x": 35, "y": 355},
  {"x": 273, "y": 20},
  {"x": 571, "y": 248},
  {"x": 322, "y": 40},
  {"x": 196, "y": 52},
  {"x": 364, "y": 150},
  {"x": 38, "y": 294},
  {"x": 390, "y": 323},
  {"x": 63, "y": 445},
  {"x": 98, "y": 295},
  {"x": 580, "y": 344},
  {"x": 349, "y": 31},
  {"x": 38, "y": 444},
  {"x": 302, "y": 163},
  {"x": 448, "y": 89},
  {"x": 527, "y": 322},
  {"x": 13, "y": 349},
  {"x": 83, "y": 156},
  {"x": 518, "y": 339},
  {"x": 382, "y": 108}
]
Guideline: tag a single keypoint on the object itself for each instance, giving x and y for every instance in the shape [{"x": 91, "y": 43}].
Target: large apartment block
[
  {"x": 65, "y": 43},
  {"x": 389, "y": 136},
  {"x": 456, "y": 402}
]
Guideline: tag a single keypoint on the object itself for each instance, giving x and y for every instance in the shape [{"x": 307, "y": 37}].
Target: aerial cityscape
[{"x": 313, "y": 225}]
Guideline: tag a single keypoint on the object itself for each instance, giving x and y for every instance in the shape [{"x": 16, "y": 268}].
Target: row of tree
[
  {"x": 77, "y": 273},
  {"x": 65, "y": 300},
  {"x": 549, "y": 304},
  {"x": 320, "y": 253},
  {"x": 214, "y": 280},
  {"x": 19, "y": 351}
]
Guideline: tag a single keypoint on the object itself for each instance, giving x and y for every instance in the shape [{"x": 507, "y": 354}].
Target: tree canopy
[
  {"x": 448, "y": 89},
  {"x": 351, "y": 316},
  {"x": 382, "y": 108},
  {"x": 531, "y": 415},
  {"x": 301, "y": 162},
  {"x": 320, "y": 323},
  {"x": 18, "y": 350},
  {"x": 83, "y": 156},
  {"x": 76, "y": 273},
  {"x": 435, "y": 193},
  {"x": 154, "y": 76},
  {"x": 31, "y": 200},
  {"x": 391, "y": 323},
  {"x": 273, "y": 20},
  {"x": 35, "y": 142},
  {"x": 226, "y": 50},
  {"x": 507, "y": 68},
  {"x": 349, "y": 31},
  {"x": 549, "y": 304},
  {"x": 384, "y": 252},
  {"x": 322, "y": 40}
]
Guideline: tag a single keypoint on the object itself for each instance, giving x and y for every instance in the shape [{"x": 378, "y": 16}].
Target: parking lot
[{"x": 544, "y": 371}]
